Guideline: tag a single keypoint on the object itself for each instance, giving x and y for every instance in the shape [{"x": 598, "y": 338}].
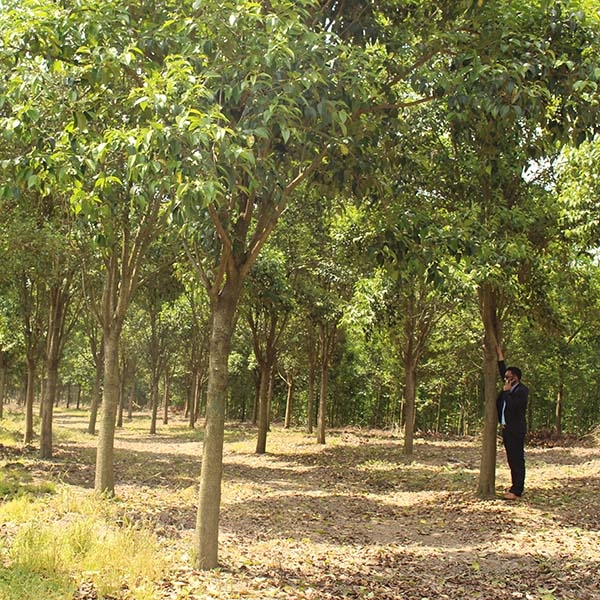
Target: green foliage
[{"x": 435, "y": 126}]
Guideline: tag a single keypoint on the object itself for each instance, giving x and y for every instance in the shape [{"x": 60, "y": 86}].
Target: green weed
[{"x": 60, "y": 540}]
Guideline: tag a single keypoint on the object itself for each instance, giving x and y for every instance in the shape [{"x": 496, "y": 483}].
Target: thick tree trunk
[
  {"x": 207, "y": 522},
  {"x": 487, "y": 472},
  {"x": 105, "y": 480}
]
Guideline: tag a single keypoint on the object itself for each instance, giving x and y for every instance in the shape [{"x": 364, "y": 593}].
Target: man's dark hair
[{"x": 515, "y": 370}]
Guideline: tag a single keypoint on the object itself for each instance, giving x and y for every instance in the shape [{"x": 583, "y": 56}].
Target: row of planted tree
[
  {"x": 371, "y": 197},
  {"x": 163, "y": 361}
]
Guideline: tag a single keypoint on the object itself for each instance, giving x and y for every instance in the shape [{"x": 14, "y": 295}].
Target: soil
[{"x": 356, "y": 519}]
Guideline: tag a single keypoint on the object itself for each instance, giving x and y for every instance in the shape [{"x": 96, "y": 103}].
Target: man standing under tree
[{"x": 512, "y": 405}]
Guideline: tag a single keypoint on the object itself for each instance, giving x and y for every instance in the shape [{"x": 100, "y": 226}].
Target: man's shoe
[{"x": 510, "y": 496}]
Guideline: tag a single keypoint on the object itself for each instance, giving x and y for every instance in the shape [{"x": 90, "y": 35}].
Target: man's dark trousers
[{"x": 514, "y": 444}]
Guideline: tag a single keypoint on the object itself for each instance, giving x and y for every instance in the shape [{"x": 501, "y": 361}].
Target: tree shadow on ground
[
  {"x": 398, "y": 574},
  {"x": 571, "y": 502}
]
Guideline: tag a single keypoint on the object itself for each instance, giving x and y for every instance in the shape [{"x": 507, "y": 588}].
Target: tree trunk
[
  {"x": 322, "y": 418},
  {"x": 312, "y": 378},
  {"x": 131, "y": 399},
  {"x": 263, "y": 406},
  {"x": 559, "y": 407},
  {"x": 194, "y": 400},
  {"x": 487, "y": 472},
  {"x": 47, "y": 412},
  {"x": 122, "y": 384},
  {"x": 207, "y": 522},
  {"x": 438, "y": 418},
  {"x": 166, "y": 397},
  {"x": 288, "y": 402},
  {"x": 105, "y": 480},
  {"x": 96, "y": 396},
  {"x": 410, "y": 393},
  {"x": 327, "y": 334},
  {"x": 154, "y": 404},
  {"x": 29, "y": 397},
  {"x": 3, "y": 371}
]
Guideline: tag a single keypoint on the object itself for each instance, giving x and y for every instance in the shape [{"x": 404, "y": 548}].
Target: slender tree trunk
[
  {"x": 263, "y": 407},
  {"x": 131, "y": 399},
  {"x": 224, "y": 308},
  {"x": 105, "y": 480},
  {"x": 559, "y": 407},
  {"x": 122, "y": 384},
  {"x": 312, "y": 378},
  {"x": 154, "y": 403},
  {"x": 256, "y": 401},
  {"x": 322, "y": 418},
  {"x": 194, "y": 400},
  {"x": 288, "y": 402},
  {"x": 410, "y": 393},
  {"x": 3, "y": 371},
  {"x": 327, "y": 335},
  {"x": 47, "y": 412},
  {"x": 487, "y": 472},
  {"x": 29, "y": 398},
  {"x": 166, "y": 392},
  {"x": 438, "y": 418},
  {"x": 96, "y": 397}
]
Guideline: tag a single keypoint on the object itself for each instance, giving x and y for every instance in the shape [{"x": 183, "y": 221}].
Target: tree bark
[
  {"x": 29, "y": 398},
  {"x": 166, "y": 392},
  {"x": 105, "y": 480},
  {"x": 327, "y": 340},
  {"x": 312, "y": 377},
  {"x": 3, "y": 371},
  {"x": 488, "y": 301},
  {"x": 47, "y": 412},
  {"x": 559, "y": 407},
  {"x": 288, "y": 402},
  {"x": 96, "y": 393},
  {"x": 154, "y": 403},
  {"x": 224, "y": 307},
  {"x": 263, "y": 408},
  {"x": 410, "y": 394}
]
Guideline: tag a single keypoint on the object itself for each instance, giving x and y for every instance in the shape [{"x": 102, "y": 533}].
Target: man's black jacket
[{"x": 516, "y": 405}]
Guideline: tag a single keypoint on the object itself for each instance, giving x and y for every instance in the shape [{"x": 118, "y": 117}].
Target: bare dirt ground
[{"x": 356, "y": 519}]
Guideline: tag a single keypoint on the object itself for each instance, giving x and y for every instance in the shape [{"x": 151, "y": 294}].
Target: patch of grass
[
  {"x": 11, "y": 428},
  {"x": 58, "y": 541},
  {"x": 17, "y": 584},
  {"x": 16, "y": 481}
]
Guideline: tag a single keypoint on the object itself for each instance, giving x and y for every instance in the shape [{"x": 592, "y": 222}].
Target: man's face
[{"x": 510, "y": 377}]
